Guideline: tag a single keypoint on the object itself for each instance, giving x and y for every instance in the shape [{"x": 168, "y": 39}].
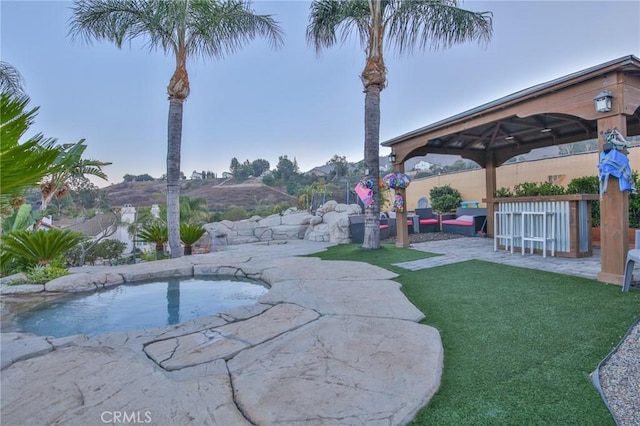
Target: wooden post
[
  {"x": 614, "y": 215},
  {"x": 402, "y": 232},
  {"x": 490, "y": 185}
]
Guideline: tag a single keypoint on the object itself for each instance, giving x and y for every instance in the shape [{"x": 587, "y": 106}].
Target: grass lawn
[{"x": 519, "y": 344}]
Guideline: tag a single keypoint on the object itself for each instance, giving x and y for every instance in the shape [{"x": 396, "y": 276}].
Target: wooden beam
[
  {"x": 402, "y": 232},
  {"x": 614, "y": 215},
  {"x": 490, "y": 185}
]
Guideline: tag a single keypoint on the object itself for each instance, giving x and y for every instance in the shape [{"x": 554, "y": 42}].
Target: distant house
[
  {"x": 422, "y": 165},
  {"x": 114, "y": 225},
  {"x": 227, "y": 175},
  {"x": 321, "y": 171},
  {"x": 196, "y": 175}
]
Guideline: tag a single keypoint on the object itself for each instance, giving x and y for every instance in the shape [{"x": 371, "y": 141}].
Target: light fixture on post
[
  {"x": 392, "y": 158},
  {"x": 603, "y": 101}
]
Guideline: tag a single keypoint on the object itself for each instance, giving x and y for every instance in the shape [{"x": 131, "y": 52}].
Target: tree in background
[
  {"x": 285, "y": 169},
  {"x": 183, "y": 29},
  {"x": 340, "y": 165},
  {"x": 406, "y": 23},
  {"x": 260, "y": 166}
]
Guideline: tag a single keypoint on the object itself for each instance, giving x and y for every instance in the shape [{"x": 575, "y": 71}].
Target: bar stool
[
  {"x": 503, "y": 229},
  {"x": 538, "y": 231}
]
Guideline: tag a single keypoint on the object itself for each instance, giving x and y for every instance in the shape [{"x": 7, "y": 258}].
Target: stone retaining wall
[{"x": 329, "y": 224}]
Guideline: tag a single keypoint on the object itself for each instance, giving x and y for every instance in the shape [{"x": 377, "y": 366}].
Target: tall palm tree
[
  {"x": 184, "y": 29},
  {"x": 406, "y": 24}
]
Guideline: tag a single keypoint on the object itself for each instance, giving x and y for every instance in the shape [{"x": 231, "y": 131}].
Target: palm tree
[
  {"x": 190, "y": 233},
  {"x": 39, "y": 247},
  {"x": 405, "y": 23},
  {"x": 194, "y": 210},
  {"x": 11, "y": 81},
  {"x": 156, "y": 234},
  {"x": 72, "y": 170},
  {"x": 200, "y": 28}
]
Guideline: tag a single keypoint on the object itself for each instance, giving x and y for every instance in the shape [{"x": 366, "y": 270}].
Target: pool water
[{"x": 138, "y": 306}]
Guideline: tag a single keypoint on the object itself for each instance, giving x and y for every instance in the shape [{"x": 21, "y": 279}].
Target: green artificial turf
[
  {"x": 519, "y": 343},
  {"x": 385, "y": 256}
]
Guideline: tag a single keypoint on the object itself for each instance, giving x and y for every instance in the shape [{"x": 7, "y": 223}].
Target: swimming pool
[{"x": 140, "y": 305}]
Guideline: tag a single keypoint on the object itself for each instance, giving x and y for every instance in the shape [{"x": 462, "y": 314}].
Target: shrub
[
  {"x": 444, "y": 198},
  {"x": 234, "y": 213},
  {"x": 588, "y": 185},
  {"x": 528, "y": 189},
  {"x": 190, "y": 233},
  {"x": 40, "y": 247},
  {"x": 503, "y": 192},
  {"x": 156, "y": 234},
  {"x": 634, "y": 203}
]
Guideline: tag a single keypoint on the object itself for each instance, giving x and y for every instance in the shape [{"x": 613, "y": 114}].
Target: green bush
[
  {"x": 634, "y": 203},
  {"x": 529, "y": 189},
  {"x": 503, "y": 192},
  {"x": 588, "y": 185},
  {"x": 234, "y": 213},
  {"x": 190, "y": 233},
  {"x": 444, "y": 198},
  {"x": 31, "y": 248}
]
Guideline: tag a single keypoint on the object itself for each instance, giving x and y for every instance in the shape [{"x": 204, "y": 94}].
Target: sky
[{"x": 261, "y": 103}]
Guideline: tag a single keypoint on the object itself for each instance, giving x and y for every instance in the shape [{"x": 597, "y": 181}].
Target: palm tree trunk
[
  {"x": 173, "y": 175},
  {"x": 372, "y": 163}
]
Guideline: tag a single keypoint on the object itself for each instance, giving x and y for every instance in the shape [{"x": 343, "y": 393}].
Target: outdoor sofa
[
  {"x": 356, "y": 228},
  {"x": 428, "y": 221},
  {"x": 466, "y": 221}
]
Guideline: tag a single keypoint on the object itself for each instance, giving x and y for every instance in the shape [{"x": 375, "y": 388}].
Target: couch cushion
[
  {"x": 457, "y": 222},
  {"x": 428, "y": 221}
]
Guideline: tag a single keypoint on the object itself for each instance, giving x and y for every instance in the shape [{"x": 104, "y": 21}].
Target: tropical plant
[
  {"x": 405, "y": 23},
  {"x": 22, "y": 165},
  {"x": 444, "y": 198},
  {"x": 194, "y": 210},
  {"x": 190, "y": 233},
  {"x": 71, "y": 172},
  {"x": 157, "y": 234},
  {"x": 11, "y": 81},
  {"x": 183, "y": 29},
  {"x": 40, "y": 247}
]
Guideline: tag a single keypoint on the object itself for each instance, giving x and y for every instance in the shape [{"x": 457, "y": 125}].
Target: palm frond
[
  {"x": 333, "y": 20},
  {"x": 39, "y": 247},
  {"x": 190, "y": 233},
  {"x": 11, "y": 81},
  {"x": 428, "y": 24},
  {"x": 22, "y": 165},
  {"x": 157, "y": 234}
]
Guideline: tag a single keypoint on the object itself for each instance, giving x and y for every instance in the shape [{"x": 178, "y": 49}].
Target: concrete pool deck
[{"x": 330, "y": 343}]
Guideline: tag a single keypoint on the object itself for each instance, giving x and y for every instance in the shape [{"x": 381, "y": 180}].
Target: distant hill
[{"x": 248, "y": 194}]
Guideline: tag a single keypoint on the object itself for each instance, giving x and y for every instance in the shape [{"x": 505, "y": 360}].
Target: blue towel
[{"x": 616, "y": 164}]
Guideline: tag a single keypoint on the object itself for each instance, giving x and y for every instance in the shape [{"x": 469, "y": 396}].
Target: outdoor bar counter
[{"x": 570, "y": 216}]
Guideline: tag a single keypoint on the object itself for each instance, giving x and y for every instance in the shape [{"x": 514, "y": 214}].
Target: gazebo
[{"x": 572, "y": 108}]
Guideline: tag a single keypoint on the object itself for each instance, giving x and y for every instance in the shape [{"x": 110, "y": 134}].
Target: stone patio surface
[{"x": 332, "y": 343}]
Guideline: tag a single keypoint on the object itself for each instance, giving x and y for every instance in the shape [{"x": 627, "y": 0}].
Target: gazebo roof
[{"x": 556, "y": 112}]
